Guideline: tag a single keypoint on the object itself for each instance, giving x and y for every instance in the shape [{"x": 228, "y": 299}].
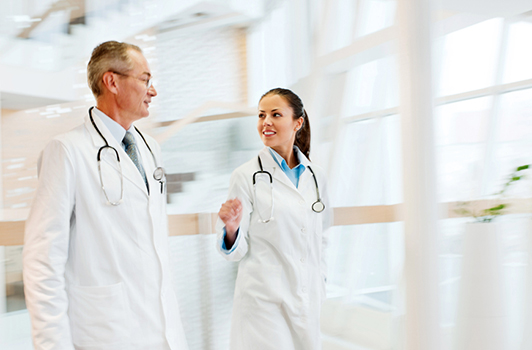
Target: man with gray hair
[{"x": 96, "y": 265}]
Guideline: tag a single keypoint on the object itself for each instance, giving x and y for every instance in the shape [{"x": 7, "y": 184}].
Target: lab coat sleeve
[
  {"x": 45, "y": 251},
  {"x": 238, "y": 188}
]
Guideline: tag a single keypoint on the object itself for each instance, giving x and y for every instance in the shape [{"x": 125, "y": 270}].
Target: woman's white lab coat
[
  {"x": 96, "y": 276},
  {"x": 281, "y": 278}
]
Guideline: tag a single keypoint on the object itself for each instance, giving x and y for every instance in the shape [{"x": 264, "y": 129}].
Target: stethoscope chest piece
[
  {"x": 318, "y": 206},
  {"x": 158, "y": 173}
]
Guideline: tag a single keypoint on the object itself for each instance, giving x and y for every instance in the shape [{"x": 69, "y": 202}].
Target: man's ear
[{"x": 109, "y": 82}]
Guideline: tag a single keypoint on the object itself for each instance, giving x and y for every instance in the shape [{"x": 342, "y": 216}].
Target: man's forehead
[{"x": 139, "y": 62}]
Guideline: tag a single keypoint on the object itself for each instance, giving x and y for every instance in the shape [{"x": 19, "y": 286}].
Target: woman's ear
[
  {"x": 110, "y": 82},
  {"x": 299, "y": 124}
]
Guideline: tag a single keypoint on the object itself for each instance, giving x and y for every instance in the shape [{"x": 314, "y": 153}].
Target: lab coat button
[
  {"x": 303, "y": 230},
  {"x": 304, "y": 289},
  {"x": 302, "y": 260}
]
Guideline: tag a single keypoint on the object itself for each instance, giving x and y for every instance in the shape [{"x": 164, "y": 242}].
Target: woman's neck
[{"x": 289, "y": 156}]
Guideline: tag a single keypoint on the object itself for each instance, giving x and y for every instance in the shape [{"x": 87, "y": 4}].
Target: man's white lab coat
[{"x": 97, "y": 276}]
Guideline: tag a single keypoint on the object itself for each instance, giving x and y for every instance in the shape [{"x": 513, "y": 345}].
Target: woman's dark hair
[{"x": 302, "y": 140}]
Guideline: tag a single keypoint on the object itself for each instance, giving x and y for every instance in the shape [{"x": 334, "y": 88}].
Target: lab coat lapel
[
  {"x": 129, "y": 170},
  {"x": 305, "y": 179},
  {"x": 271, "y": 165},
  {"x": 148, "y": 162}
]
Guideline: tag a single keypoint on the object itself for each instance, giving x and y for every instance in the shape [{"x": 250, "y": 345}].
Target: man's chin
[{"x": 145, "y": 114}]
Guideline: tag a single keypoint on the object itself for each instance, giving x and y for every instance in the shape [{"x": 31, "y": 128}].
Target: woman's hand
[{"x": 231, "y": 215}]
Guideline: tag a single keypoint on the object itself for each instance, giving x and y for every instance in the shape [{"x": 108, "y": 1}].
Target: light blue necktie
[{"x": 132, "y": 152}]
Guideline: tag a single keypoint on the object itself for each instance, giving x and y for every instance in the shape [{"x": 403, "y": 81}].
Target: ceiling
[{"x": 82, "y": 23}]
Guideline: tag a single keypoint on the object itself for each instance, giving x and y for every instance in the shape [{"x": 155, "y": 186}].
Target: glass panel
[
  {"x": 516, "y": 117},
  {"x": 368, "y": 166},
  {"x": 469, "y": 58},
  {"x": 519, "y": 53},
  {"x": 376, "y": 15},
  {"x": 514, "y": 142},
  {"x": 459, "y": 169},
  {"x": 340, "y": 25},
  {"x": 270, "y": 53},
  {"x": 364, "y": 266},
  {"x": 461, "y": 135},
  {"x": 463, "y": 122},
  {"x": 371, "y": 86}
]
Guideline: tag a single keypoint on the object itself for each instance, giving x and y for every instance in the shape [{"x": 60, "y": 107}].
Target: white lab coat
[
  {"x": 97, "y": 276},
  {"x": 281, "y": 278}
]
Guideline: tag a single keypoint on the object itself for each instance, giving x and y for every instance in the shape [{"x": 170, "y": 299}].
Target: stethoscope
[
  {"x": 317, "y": 206},
  {"x": 158, "y": 173}
]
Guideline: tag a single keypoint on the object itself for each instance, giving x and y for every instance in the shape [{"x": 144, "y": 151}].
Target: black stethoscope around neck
[
  {"x": 158, "y": 173},
  {"x": 317, "y": 206}
]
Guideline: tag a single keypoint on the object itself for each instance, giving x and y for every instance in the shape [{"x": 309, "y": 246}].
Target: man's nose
[{"x": 152, "y": 91}]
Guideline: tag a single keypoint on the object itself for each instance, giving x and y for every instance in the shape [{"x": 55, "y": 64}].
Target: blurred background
[{"x": 362, "y": 68}]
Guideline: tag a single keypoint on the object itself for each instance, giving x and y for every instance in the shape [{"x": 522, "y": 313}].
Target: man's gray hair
[{"x": 108, "y": 56}]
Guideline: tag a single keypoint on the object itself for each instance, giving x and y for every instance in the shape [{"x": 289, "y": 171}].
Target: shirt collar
[
  {"x": 114, "y": 128},
  {"x": 282, "y": 163}
]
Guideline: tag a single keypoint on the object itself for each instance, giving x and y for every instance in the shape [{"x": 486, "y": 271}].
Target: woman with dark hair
[{"x": 274, "y": 223}]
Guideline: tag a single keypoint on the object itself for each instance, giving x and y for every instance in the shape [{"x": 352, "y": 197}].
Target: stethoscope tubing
[
  {"x": 317, "y": 206},
  {"x": 158, "y": 173}
]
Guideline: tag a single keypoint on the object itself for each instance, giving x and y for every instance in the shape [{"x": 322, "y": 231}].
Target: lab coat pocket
[{"x": 98, "y": 315}]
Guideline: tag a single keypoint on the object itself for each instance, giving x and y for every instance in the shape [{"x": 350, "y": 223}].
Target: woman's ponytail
[{"x": 303, "y": 136}]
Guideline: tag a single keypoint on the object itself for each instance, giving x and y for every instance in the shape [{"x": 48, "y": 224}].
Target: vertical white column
[
  {"x": 2, "y": 249},
  {"x": 1, "y": 162},
  {"x": 419, "y": 183}
]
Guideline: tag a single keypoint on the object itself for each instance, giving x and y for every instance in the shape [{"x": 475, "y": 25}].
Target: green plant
[{"x": 487, "y": 215}]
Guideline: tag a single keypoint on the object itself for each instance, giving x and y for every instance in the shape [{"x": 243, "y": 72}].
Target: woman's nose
[{"x": 267, "y": 120}]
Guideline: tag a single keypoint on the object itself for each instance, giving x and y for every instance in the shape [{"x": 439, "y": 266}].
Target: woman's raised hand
[{"x": 231, "y": 214}]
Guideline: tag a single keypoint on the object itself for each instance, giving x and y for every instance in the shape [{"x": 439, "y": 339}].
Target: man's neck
[{"x": 114, "y": 113}]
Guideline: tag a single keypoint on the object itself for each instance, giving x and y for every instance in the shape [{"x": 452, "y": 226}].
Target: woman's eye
[
  {"x": 261, "y": 115},
  {"x": 276, "y": 115}
]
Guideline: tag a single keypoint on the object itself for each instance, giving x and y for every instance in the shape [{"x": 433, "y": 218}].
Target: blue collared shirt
[{"x": 293, "y": 174}]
